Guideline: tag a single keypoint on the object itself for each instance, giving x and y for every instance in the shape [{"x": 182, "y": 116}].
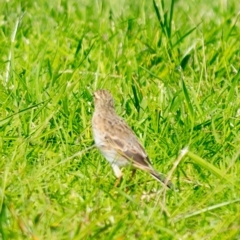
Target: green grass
[{"x": 173, "y": 69}]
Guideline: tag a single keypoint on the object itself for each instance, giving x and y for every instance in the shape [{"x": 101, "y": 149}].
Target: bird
[{"x": 116, "y": 140}]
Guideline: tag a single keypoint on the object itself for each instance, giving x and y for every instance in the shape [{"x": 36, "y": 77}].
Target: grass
[{"x": 173, "y": 69}]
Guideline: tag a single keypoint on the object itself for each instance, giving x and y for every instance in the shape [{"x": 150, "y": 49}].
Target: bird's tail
[{"x": 161, "y": 178}]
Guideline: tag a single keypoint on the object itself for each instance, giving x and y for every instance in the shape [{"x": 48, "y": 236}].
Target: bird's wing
[{"x": 123, "y": 139}]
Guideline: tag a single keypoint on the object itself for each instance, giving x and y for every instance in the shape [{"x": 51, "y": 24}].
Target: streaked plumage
[{"x": 116, "y": 140}]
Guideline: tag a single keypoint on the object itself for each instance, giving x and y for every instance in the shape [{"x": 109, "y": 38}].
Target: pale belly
[
  {"x": 113, "y": 157},
  {"x": 110, "y": 153}
]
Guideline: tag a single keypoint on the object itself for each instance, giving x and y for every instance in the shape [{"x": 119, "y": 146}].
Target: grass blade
[
  {"x": 198, "y": 212},
  {"x": 188, "y": 101},
  {"x": 211, "y": 168}
]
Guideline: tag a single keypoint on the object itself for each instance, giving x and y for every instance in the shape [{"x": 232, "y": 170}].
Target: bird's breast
[{"x": 98, "y": 130}]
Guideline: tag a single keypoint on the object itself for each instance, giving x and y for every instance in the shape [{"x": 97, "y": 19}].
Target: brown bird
[{"x": 116, "y": 140}]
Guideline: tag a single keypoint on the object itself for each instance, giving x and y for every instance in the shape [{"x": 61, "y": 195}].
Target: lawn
[{"x": 173, "y": 70}]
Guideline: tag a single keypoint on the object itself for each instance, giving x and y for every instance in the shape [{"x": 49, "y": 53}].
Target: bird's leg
[
  {"x": 133, "y": 173},
  {"x": 118, "y": 174},
  {"x": 118, "y": 181},
  {"x": 132, "y": 185}
]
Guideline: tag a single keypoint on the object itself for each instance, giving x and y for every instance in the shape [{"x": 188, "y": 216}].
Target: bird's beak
[{"x": 95, "y": 95}]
